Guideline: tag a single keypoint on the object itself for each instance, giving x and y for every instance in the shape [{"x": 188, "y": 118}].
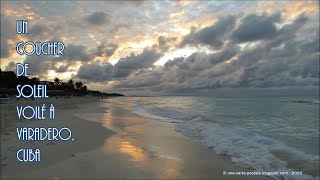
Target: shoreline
[
  {"x": 171, "y": 144},
  {"x": 112, "y": 142},
  {"x": 52, "y": 152}
]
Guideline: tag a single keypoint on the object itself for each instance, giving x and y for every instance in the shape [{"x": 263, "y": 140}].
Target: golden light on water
[
  {"x": 135, "y": 152},
  {"x": 141, "y": 156},
  {"x": 170, "y": 170},
  {"x": 129, "y": 149},
  {"x": 55, "y": 178}
]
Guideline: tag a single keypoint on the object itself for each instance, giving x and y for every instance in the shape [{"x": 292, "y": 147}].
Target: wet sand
[{"x": 113, "y": 143}]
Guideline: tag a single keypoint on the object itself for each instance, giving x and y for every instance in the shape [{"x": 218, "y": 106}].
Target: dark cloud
[
  {"x": 61, "y": 69},
  {"x": 44, "y": 32},
  {"x": 111, "y": 48},
  {"x": 287, "y": 32},
  {"x": 225, "y": 55},
  {"x": 252, "y": 50},
  {"x": 127, "y": 65},
  {"x": 290, "y": 62},
  {"x": 254, "y": 27},
  {"x": 311, "y": 46},
  {"x": 38, "y": 30},
  {"x": 143, "y": 78},
  {"x": 211, "y": 35},
  {"x": 100, "y": 49},
  {"x": 96, "y": 72},
  {"x": 162, "y": 41},
  {"x": 5, "y": 52},
  {"x": 98, "y": 18},
  {"x": 11, "y": 66},
  {"x": 76, "y": 53},
  {"x": 107, "y": 50},
  {"x": 8, "y": 32},
  {"x": 39, "y": 65},
  {"x": 165, "y": 42}
]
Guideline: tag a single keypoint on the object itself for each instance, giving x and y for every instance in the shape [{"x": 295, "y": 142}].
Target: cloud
[
  {"x": 38, "y": 30},
  {"x": 292, "y": 62},
  {"x": 61, "y": 69},
  {"x": 98, "y": 18},
  {"x": 111, "y": 48},
  {"x": 224, "y": 55},
  {"x": 106, "y": 50},
  {"x": 143, "y": 78},
  {"x": 5, "y": 52},
  {"x": 132, "y": 63},
  {"x": 76, "y": 53},
  {"x": 249, "y": 46},
  {"x": 8, "y": 33},
  {"x": 311, "y": 46},
  {"x": 256, "y": 27},
  {"x": 211, "y": 35},
  {"x": 96, "y": 72},
  {"x": 166, "y": 42},
  {"x": 39, "y": 65},
  {"x": 287, "y": 32},
  {"x": 11, "y": 66},
  {"x": 162, "y": 40}
]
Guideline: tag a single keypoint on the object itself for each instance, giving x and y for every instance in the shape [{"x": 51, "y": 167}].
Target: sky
[{"x": 169, "y": 47}]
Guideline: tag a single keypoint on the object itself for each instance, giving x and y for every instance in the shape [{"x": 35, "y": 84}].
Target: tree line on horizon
[{"x": 9, "y": 80}]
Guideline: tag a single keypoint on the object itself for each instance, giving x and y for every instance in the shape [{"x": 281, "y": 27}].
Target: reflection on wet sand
[
  {"x": 170, "y": 170},
  {"x": 153, "y": 147},
  {"x": 117, "y": 118},
  {"x": 135, "y": 152},
  {"x": 141, "y": 158},
  {"x": 124, "y": 143}
]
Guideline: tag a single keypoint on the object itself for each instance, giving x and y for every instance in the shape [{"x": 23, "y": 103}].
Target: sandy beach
[
  {"x": 111, "y": 142},
  {"x": 152, "y": 89}
]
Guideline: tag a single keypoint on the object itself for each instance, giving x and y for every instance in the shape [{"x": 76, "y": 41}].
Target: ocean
[{"x": 260, "y": 133}]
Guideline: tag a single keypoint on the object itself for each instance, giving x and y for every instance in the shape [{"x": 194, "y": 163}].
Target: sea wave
[
  {"x": 142, "y": 112},
  {"x": 303, "y": 101},
  {"x": 244, "y": 147}
]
